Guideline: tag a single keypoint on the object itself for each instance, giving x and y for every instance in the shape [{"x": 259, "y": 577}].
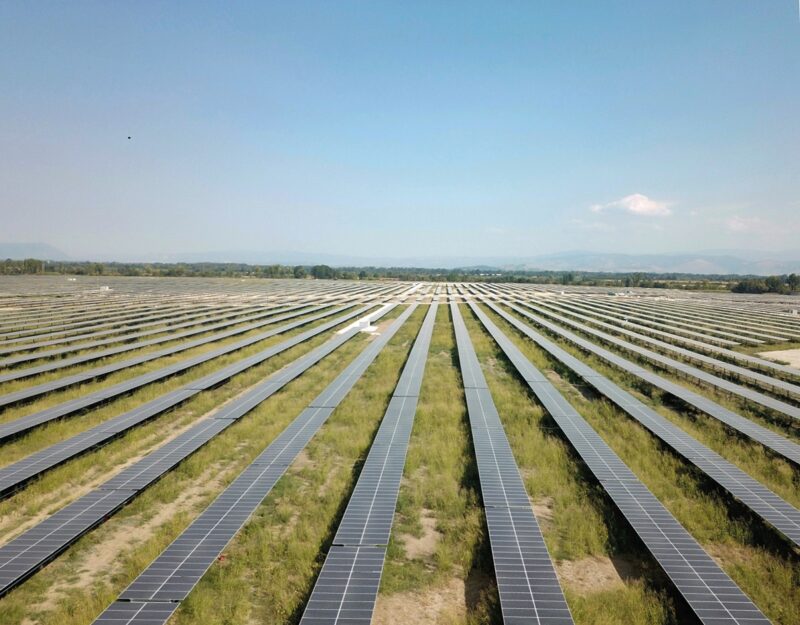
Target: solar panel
[
  {"x": 45, "y": 329},
  {"x": 526, "y": 580},
  {"x": 60, "y": 530},
  {"x": 17, "y": 426},
  {"x": 46, "y": 540},
  {"x": 754, "y": 495},
  {"x": 161, "y": 321},
  {"x": 711, "y": 594},
  {"x": 18, "y": 374},
  {"x": 768, "y": 438},
  {"x": 173, "y": 574},
  {"x": 84, "y": 376},
  {"x": 768, "y": 381},
  {"x": 687, "y": 370},
  {"x": 347, "y": 586},
  {"x": 13, "y": 476},
  {"x": 170, "y": 334},
  {"x": 740, "y": 333}
]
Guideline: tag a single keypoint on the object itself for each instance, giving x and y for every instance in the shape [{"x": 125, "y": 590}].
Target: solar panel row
[
  {"x": 13, "y": 476},
  {"x": 128, "y": 331},
  {"x": 692, "y": 372},
  {"x": 685, "y": 369},
  {"x": 53, "y": 326},
  {"x": 24, "y": 555},
  {"x": 57, "y": 411},
  {"x": 777, "y": 443},
  {"x": 709, "y": 592},
  {"x": 204, "y": 324},
  {"x": 526, "y": 580},
  {"x": 347, "y": 586},
  {"x": 767, "y": 381},
  {"x": 738, "y": 315},
  {"x": 171, "y": 576},
  {"x": 741, "y": 332},
  {"x": 757, "y": 497},
  {"x": 178, "y": 314},
  {"x": 36, "y": 390}
]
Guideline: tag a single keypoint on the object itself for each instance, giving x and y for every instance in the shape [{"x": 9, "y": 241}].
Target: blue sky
[{"x": 400, "y": 128}]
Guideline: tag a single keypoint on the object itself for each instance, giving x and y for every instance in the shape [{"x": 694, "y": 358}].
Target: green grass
[
  {"x": 271, "y": 565},
  {"x": 765, "y": 567},
  {"x": 23, "y": 383},
  {"x": 60, "y": 429},
  {"x": 441, "y": 481},
  {"x": 52, "y": 596},
  {"x": 584, "y": 522},
  {"x": 62, "y": 484},
  {"x": 117, "y": 334}
]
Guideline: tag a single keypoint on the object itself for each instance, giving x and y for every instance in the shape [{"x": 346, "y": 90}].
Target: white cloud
[
  {"x": 743, "y": 224},
  {"x": 636, "y": 204}
]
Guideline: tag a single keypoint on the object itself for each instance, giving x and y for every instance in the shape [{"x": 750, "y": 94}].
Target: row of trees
[
  {"x": 32, "y": 266},
  {"x": 785, "y": 284},
  {"x": 772, "y": 284}
]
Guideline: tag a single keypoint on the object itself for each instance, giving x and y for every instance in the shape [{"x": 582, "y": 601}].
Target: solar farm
[{"x": 220, "y": 451}]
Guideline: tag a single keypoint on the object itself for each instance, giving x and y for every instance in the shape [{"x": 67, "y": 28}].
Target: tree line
[
  {"x": 785, "y": 285},
  {"x": 750, "y": 284}
]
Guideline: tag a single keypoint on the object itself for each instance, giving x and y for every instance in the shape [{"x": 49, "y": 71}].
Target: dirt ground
[
  {"x": 441, "y": 605},
  {"x": 593, "y": 574},
  {"x": 425, "y": 545},
  {"x": 102, "y": 558},
  {"x": 789, "y": 356}
]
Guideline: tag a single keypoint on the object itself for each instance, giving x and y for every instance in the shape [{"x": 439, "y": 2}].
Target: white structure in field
[{"x": 364, "y": 324}]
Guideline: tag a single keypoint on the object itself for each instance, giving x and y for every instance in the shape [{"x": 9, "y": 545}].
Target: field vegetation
[
  {"x": 765, "y": 566},
  {"x": 77, "y": 586}
]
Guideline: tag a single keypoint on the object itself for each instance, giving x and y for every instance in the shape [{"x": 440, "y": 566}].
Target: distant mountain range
[
  {"x": 704, "y": 262},
  {"x": 742, "y": 263},
  {"x": 41, "y": 251}
]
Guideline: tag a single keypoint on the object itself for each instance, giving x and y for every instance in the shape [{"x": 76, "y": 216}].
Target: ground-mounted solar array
[{"x": 353, "y": 452}]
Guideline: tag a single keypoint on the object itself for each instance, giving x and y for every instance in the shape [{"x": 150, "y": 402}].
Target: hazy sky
[{"x": 400, "y": 128}]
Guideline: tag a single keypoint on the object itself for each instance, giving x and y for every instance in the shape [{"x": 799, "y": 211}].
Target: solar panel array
[
  {"x": 157, "y": 592},
  {"x": 47, "y": 328},
  {"x": 766, "y": 381},
  {"x": 768, "y": 438},
  {"x": 36, "y": 390},
  {"x": 17, "y": 374},
  {"x": 757, "y": 497},
  {"x": 740, "y": 333},
  {"x": 709, "y": 592},
  {"x": 689, "y": 371},
  {"x": 197, "y": 326},
  {"x": 164, "y": 322},
  {"x": 27, "y": 553},
  {"x": 57, "y": 329},
  {"x": 617, "y": 321},
  {"x": 70, "y": 407},
  {"x": 14, "y": 475},
  {"x": 526, "y": 580},
  {"x": 347, "y": 585}
]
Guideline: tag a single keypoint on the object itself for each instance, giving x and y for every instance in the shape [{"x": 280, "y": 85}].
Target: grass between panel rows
[
  {"x": 765, "y": 566},
  {"x": 764, "y": 465},
  {"x": 79, "y": 584}
]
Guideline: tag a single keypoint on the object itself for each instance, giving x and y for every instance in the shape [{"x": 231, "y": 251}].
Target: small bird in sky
[{"x": 129, "y": 138}]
